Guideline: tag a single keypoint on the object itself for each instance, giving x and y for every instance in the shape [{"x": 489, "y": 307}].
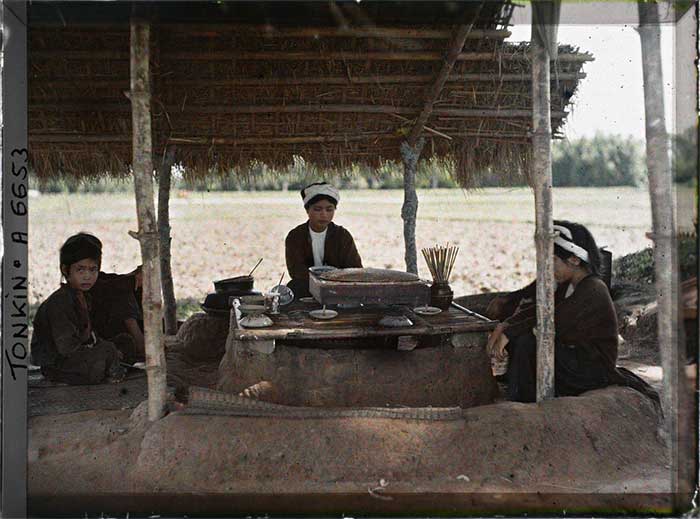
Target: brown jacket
[
  {"x": 61, "y": 327},
  {"x": 114, "y": 300},
  {"x": 585, "y": 319},
  {"x": 339, "y": 251}
]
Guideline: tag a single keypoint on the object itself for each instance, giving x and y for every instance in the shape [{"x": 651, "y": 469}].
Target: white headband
[
  {"x": 321, "y": 189},
  {"x": 566, "y": 244}
]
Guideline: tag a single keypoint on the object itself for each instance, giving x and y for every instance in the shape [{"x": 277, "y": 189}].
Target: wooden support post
[
  {"x": 148, "y": 231},
  {"x": 411, "y": 149},
  {"x": 409, "y": 210},
  {"x": 544, "y": 236},
  {"x": 664, "y": 229},
  {"x": 166, "y": 273}
]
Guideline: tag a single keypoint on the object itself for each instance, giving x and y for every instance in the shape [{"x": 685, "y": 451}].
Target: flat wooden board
[
  {"x": 364, "y": 322},
  {"x": 407, "y": 292},
  {"x": 368, "y": 275}
]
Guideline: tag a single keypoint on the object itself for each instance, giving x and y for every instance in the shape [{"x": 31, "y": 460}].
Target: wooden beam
[
  {"x": 269, "y": 31},
  {"x": 511, "y": 137},
  {"x": 309, "y": 139},
  {"x": 207, "y": 141},
  {"x": 302, "y": 139},
  {"x": 148, "y": 232},
  {"x": 318, "y": 80},
  {"x": 433, "y": 94},
  {"x": 71, "y": 138},
  {"x": 173, "y": 110},
  {"x": 544, "y": 230},
  {"x": 232, "y": 55}
]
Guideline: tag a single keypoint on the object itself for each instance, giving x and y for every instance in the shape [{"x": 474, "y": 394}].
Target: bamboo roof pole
[
  {"x": 333, "y": 32},
  {"x": 499, "y": 113},
  {"x": 664, "y": 232},
  {"x": 62, "y": 82},
  {"x": 242, "y": 141},
  {"x": 148, "y": 232},
  {"x": 280, "y": 32},
  {"x": 544, "y": 21},
  {"x": 274, "y": 55},
  {"x": 166, "y": 273},
  {"x": 413, "y": 146}
]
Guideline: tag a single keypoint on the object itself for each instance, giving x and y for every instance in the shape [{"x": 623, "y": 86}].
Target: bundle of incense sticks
[{"x": 440, "y": 261}]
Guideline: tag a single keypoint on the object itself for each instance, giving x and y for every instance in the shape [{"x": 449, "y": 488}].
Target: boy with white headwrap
[{"x": 318, "y": 241}]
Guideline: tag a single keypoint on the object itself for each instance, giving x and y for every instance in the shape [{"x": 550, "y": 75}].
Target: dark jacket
[
  {"x": 339, "y": 251},
  {"x": 61, "y": 327},
  {"x": 585, "y": 328},
  {"x": 586, "y": 319},
  {"x": 113, "y": 301}
]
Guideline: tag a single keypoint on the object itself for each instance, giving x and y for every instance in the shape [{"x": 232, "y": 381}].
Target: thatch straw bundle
[{"x": 235, "y": 92}]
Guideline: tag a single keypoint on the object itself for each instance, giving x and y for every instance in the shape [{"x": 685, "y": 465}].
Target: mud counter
[{"x": 352, "y": 360}]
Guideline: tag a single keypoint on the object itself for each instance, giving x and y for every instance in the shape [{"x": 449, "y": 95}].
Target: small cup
[{"x": 272, "y": 302}]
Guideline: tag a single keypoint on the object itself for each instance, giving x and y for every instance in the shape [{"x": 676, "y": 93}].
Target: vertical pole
[
  {"x": 409, "y": 210},
  {"x": 166, "y": 273},
  {"x": 663, "y": 227},
  {"x": 15, "y": 353},
  {"x": 413, "y": 146},
  {"x": 544, "y": 244},
  {"x": 148, "y": 231}
]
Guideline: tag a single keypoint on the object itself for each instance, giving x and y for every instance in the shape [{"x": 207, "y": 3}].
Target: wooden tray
[
  {"x": 367, "y": 275},
  {"x": 362, "y": 323},
  {"x": 331, "y": 292}
]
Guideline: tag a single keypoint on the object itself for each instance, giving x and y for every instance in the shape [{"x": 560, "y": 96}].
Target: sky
[{"x": 610, "y": 100}]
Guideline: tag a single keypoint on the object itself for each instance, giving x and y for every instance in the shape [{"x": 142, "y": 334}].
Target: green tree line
[{"x": 600, "y": 161}]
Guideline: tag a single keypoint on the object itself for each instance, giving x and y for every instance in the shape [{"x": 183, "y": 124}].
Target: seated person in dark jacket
[
  {"x": 64, "y": 342},
  {"x": 584, "y": 320},
  {"x": 318, "y": 241},
  {"x": 116, "y": 309}
]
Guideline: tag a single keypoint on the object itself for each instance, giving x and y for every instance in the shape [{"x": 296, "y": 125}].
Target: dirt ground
[
  {"x": 582, "y": 447},
  {"x": 600, "y": 451}
]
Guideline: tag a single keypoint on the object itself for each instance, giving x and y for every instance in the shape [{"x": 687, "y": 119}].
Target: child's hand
[{"x": 497, "y": 342}]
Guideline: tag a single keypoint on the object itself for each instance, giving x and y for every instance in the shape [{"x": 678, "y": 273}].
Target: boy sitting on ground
[
  {"x": 64, "y": 342},
  {"x": 116, "y": 310}
]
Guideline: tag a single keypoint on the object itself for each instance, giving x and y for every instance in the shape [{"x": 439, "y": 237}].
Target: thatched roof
[{"x": 239, "y": 82}]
